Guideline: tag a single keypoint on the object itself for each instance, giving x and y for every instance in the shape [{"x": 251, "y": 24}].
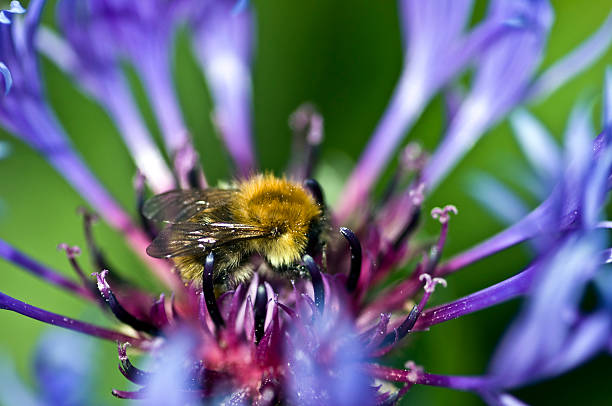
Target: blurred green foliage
[{"x": 344, "y": 56}]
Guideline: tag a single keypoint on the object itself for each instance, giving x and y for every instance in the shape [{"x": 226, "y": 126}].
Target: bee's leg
[{"x": 293, "y": 271}]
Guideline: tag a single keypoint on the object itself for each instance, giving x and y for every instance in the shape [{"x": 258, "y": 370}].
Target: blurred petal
[
  {"x": 12, "y": 390},
  {"x": 537, "y": 144},
  {"x": 64, "y": 368},
  {"x": 497, "y": 199},
  {"x": 572, "y": 64},
  {"x": 172, "y": 372},
  {"x": 547, "y": 322},
  {"x": 501, "y": 78},
  {"x": 436, "y": 49},
  {"x": 223, "y": 38}
]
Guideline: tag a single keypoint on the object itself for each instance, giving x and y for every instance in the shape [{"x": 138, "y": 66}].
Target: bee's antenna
[
  {"x": 356, "y": 257},
  {"x": 315, "y": 189},
  {"x": 209, "y": 292},
  {"x": 317, "y": 282}
]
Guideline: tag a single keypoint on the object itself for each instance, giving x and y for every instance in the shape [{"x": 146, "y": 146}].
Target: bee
[{"x": 276, "y": 218}]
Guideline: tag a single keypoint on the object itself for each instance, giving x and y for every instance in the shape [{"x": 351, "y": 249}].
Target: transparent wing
[
  {"x": 184, "y": 239},
  {"x": 177, "y": 206}
]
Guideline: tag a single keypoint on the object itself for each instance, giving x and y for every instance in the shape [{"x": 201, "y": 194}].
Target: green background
[{"x": 344, "y": 56}]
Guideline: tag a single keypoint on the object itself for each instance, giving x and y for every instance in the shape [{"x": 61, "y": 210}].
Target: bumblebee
[{"x": 277, "y": 218}]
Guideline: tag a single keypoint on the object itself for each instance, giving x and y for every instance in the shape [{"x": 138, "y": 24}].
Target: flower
[{"x": 320, "y": 339}]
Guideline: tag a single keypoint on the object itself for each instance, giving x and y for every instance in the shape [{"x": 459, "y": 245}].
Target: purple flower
[{"x": 320, "y": 339}]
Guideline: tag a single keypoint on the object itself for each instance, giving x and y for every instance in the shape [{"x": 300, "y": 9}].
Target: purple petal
[
  {"x": 493, "y": 295},
  {"x": 500, "y": 81},
  {"x": 222, "y": 42},
  {"x": 17, "y": 306},
  {"x": 436, "y": 50}
]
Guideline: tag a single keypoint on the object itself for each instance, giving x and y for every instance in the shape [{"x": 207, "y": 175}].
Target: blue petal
[
  {"x": 537, "y": 144},
  {"x": 538, "y": 339},
  {"x": 167, "y": 384},
  {"x": 607, "y": 101},
  {"x": 65, "y": 368},
  {"x": 8, "y": 79},
  {"x": 5, "y": 149}
]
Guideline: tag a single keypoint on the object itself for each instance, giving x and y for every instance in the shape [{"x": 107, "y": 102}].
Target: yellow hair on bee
[{"x": 284, "y": 209}]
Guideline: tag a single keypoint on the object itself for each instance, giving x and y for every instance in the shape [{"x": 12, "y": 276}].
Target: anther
[
  {"x": 317, "y": 282},
  {"x": 443, "y": 214},
  {"x": 430, "y": 283},
  {"x": 209, "y": 292},
  {"x": 356, "y": 258},
  {"x": 72, "y": 252}
]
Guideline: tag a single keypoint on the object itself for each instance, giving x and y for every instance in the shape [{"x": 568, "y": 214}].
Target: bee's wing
[
  {"x": 184, "y": 239},
  {"x": 177, "y": 206}
]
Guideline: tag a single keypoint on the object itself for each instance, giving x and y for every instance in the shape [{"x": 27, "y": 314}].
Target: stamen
[
  {"x": 98, "y": 258},
  {"x": 307, "y": 126},
  {"x": 118, "y": 310},
  {"x": 209, "y": 292},
  {"x": 431, "y": 283},
  {"x": 187, "y": 168},
  {"x": 408, "y": 229},
  {"x": 410, "y": 321},
  {"x": 443, "y": 216},
  {"x": 72, "y": 253},
  {"x": 315, "y": 190},
  {"x": 139, "y": 187},
  {"x": 356, "y": 258},
  {"x": 417, "y": 195},
  {"x": 261, "y": 305},
  {"x": 133, "y": 374},
  {"x": 13, "y": 255},
  {"x": 317, "y": 282}
]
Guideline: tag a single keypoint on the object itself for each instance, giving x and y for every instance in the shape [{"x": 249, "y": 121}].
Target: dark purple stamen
[
  {"x": 98, "y": 257},
  {"x": 146, "y": 224},
  {"x": 209, "y": 291},
  {"x": 408, "y": 229},
  {"x": 119, "y": 311},
  {"x": 356, "y": 258},
  {"x": 133, "y": 374},
  {"x": 307, "y": 126},
  {"x": 315, "y": 190},
  {"x": 261, "y": 305},
  {"x": 317, "y": 282},
  {"x": 194, "y": 178},
  {"x": 403, "y": 329}
]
